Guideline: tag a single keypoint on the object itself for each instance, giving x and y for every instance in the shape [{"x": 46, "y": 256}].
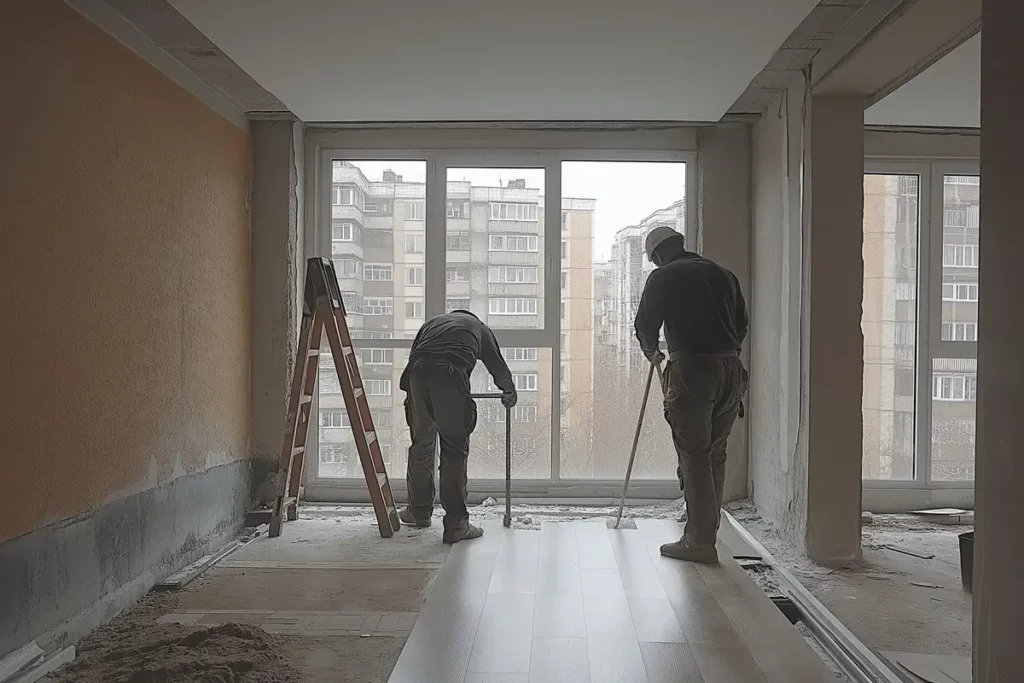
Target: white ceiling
[
  {"x": 947, "y": 94},
  {"x": 530, "y": 60}
]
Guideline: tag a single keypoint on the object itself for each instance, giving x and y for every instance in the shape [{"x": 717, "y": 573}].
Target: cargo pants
[
  {"x": 703, "y": 397},
  {"x": 438, "y": 405}
]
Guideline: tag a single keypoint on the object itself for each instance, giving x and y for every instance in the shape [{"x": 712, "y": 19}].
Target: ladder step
[
  {"x": 370, "y": 437},
  {"x": 358, "y": 391},
  {"x": 314, "y": 352},
  {"x": 306, "y": 398},
  {"x": 382, "y": 478},
  {"x": 298, "y": 449},
  {"x": 347, "y": 350}
]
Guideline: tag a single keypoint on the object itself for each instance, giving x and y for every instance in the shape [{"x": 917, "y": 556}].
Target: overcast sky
[{"x": 626, "y": 192}]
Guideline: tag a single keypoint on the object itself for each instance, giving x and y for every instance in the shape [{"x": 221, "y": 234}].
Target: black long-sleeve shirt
[
  {"x": 460, "y": 338},
  {"x": 700, "y": 304}
]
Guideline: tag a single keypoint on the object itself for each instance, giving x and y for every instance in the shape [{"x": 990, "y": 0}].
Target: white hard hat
[{"x": 657, "y": 236}]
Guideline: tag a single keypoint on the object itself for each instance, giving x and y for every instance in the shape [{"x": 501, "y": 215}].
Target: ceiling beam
[{"x": 906, "y": 41}]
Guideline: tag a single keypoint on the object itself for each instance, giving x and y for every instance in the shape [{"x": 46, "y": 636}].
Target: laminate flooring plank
[
  {"x": 700, "y": 614},
  {"x": 441, "y": 642},
  {"x": 593, "y": 545},
  {"x": 670, "y": 663},
  {"x": 655, "y": 621},
  {"x": 602, "y": 582},
  {"x": 614, "y": 652},
  {"x": 560, "y": 660},
  {"x": 726, "y": 664},
  {"x": 497, "y": 678},
  {"x": 515, "y": 570},
  {"x": 639, "y": 576},
  {"x": 559, "y": 616},
  {"x": 558, "y": 569},
  {"x": 504, "y": 636}
]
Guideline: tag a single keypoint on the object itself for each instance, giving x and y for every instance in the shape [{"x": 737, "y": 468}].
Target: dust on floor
[{"x": 889, "y": 600}]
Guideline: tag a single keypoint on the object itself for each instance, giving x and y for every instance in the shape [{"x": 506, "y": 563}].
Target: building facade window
[
  {"x": 512, "y": 306},
  {"x": 960, "y": 255},
  {"x": 512, "y": 274},
  {"x": 413, "y": 309},
  {"x": 333, "y": 418},
  {"x": 513, "y": 243},
  {"x": 523, "y": 353},
  {"x": 457, "y": 241},
  {"x": 456, "y": 303},
  {"x": 954, "y": 291},
  {"x": 513, "y": 212},
  {"x": 965, "y": 332},
  {"x": 414, "y": 276},
  {"x": 378, "y": 238},
  {"x": 414, "y": 243},
  {"x": 414, "y": 211},
  {"x": 348, "y": 267},
  {"x": 377, "y": 387},
  {"x": 377, "y": 306},
  {"x": 954, "y": 388},
  {"x": 378, "y": 272},
  {"x": 378, "y": 356},
  {"x": 456, "y": 274},
  {"x": 346, "y": 195},
  {"x": 343, "y": 231},
  {"x": 457, "y": 209}
]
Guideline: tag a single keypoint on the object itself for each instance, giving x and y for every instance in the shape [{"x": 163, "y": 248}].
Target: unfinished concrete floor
[{"x": 891, "y": 601}]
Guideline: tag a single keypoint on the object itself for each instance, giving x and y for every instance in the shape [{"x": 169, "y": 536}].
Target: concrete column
[
  {"x": 277, "y": 257},
  {"x": 999, "y": 471},
  {"x": 724, "y": 230},
  {"x": 833, "y": 338}
]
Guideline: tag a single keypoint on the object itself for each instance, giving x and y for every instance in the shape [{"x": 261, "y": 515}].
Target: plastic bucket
[{"x": 967, "y": 559}]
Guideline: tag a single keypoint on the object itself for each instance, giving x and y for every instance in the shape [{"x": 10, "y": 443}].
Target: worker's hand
[
  {"x": 509, "y": 398},
  {"x": 656, "y": 356}
]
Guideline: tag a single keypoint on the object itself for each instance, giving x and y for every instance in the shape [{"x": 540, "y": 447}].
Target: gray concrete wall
[
  {"x": 778, "y": 466},
  {"x": 62, "y": 580},
  {"x": 723, "y": 220},
  {"x": 277, "y": 233}
]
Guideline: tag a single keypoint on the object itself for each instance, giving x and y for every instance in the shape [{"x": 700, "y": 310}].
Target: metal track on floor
[{"x": 851, "y": 655}]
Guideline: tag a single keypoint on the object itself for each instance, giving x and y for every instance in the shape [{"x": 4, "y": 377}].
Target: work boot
[
  {"x": 461, "y": 533},
  {"x": 406, "y": 516},
  {"x": 682, "y": 550}
]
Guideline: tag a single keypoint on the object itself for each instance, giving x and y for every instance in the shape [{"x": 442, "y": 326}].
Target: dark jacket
[
  {"x": 700, "y": 304},
  {"x": 459, "y": 338}
]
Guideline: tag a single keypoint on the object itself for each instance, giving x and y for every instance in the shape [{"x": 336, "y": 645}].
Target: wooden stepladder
[{"x": 323, "y": 311}]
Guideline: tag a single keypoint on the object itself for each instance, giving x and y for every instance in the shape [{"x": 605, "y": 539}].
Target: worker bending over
[
  {"x": 438, "y": 403},
  {"x": 701, "y": 306}
]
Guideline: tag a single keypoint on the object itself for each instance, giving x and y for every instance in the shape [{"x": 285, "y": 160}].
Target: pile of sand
[{"x": 171, "y": 653}]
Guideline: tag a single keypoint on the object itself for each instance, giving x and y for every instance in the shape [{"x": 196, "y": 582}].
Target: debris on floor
[
  {"x": 932, "y": 668},
  {"x": 170, "y": 653}
]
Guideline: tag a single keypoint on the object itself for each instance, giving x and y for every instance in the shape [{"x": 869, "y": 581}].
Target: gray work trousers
[
  {"x": 437, "y": 404},
  {"x": 703, "y": 395}
]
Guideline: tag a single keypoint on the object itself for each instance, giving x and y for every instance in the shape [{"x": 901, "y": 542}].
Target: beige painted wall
[{"x": 125, "y": 351}]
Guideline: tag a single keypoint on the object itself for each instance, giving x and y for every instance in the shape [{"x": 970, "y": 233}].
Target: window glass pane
[
  {"x": 495, "y": 247},
  {"x": 954, "y": 393},
  {"x": 889, "y": 323},
  {"x": 380, "y": 370},
  {"x": 377, "y": 234},
  {"x": 531, "y": 419},
  {"x": 607, "y": 209},
  {"x": 960, "y": 234}
]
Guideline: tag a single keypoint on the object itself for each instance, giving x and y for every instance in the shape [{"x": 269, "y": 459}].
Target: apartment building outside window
[
  {"x": 415, "y": 211},
  {"x": 513, "y": 243},
  {"x": 457, "y": 209},
  {"x": 344, "y": 195},
  {"x": 512, "y": 306},
  {"x": 458, "y": 241},
  {"x": 456, "y": 274},
  {"x": 414, "y": 276},
  {"x": 512, "y": 354},
  {"x": 513, "y": 212},
  {"x": 342, "y": 231},
  {"x": 377, "y": 387},
  {"x": 377, "y": 305},
  {"x": 954, "y": 388},
  {"x": 377, "y": 356},
  {"x": 414, "y": 243},
  {"x": 966, "y": 332},
  {"x": 456, "y": 303},
  {"x": 334, "y": 418},
  {"x": 523, "y": 381},
  {"x": 377, "y": 272},
  {"x": 512, "y": 274},
  {"x": 414, "y": 309},
  {"x": 953, "y": 291},
  {"x": 960, "y": 255}
]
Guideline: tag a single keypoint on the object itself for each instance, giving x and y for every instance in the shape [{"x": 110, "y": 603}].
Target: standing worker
[
  {"x": 438, "y": 403},
  {"x": 701, "y": 306}
]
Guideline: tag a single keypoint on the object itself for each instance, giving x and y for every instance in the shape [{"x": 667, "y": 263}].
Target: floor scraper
[{"x": 636, "y": 437}]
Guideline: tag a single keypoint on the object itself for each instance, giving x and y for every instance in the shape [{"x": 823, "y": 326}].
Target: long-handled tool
[
  {"x": 507, "y": 521},
  {"x": 636, "y": 437}
]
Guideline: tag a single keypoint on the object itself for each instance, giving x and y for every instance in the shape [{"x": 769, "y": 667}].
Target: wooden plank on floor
[
  {"x": 599, "y": 582},
  {"x": 726, "y": 664},
  {"x": 558, "y": 570},
  {"x": 504, "y": 636},
  {"x": 656, "y": 621},
  {"x": 497, "y": 678},
  {"x": 515, "y": 570},
  {"x": 670, "y": 663},
  {"x": 700, "y": 614},
  {"x": 593, "y": 545},
  {"x": 559, "y": 616},
  {"x": 560, "y": 660},
  {"x": 613, "y": 650},
  {"x": 441, "y": 643},
  {"x": 639, "y": 576}
]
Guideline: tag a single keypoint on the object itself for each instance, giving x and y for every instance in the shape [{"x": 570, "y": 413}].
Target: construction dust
[{"x": 171, "y": 653}]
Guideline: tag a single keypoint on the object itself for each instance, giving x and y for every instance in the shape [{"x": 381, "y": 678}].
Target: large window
[
  {"x": 412, "y": 239},
  {"x": 921, "y": 236}
]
